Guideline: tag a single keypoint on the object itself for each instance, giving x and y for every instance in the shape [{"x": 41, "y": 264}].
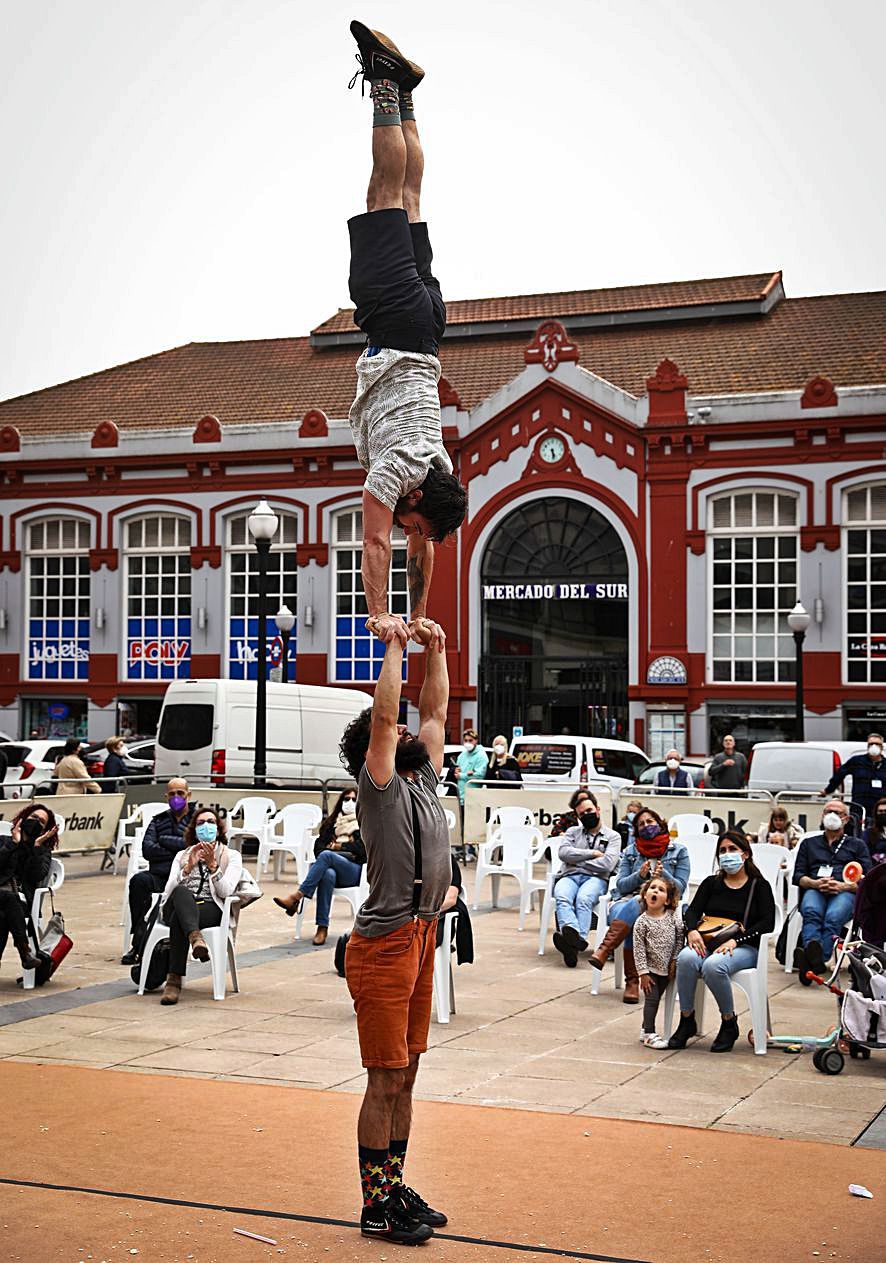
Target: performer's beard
[{"x": 410, "y": 754}]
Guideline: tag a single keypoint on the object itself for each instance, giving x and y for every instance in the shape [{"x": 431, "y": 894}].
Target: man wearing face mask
[
  {"x": 164, "y": 838},
  {"x": 826, "y": 900},
  {"x": 672, "y": 776},
  {"x": 589, "y": 852},
  {"x": 868, "y": 772}
]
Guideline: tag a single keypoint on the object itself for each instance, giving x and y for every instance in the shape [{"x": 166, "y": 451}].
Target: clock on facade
[
  {"x": 666, "y": 670},
  {"x": 552, "y": 449}
]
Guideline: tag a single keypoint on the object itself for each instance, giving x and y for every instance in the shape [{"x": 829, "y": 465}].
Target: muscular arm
[
  {"x": 432, "y": 703},
  {"x": 385, "y": 713},
  {"x": 419, "y": 568},
  {"x": 378, "y": 522}
]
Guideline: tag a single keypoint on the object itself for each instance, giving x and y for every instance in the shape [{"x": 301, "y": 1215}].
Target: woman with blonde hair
[{"x": 503, "y": 767}]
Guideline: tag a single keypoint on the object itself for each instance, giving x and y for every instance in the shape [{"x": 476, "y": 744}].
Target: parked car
[
  {"x": 207, "y": 731},
  {"x": 805, "y": 766},
  {"x": 31, "y": 763},
  {"x": 139, "y": 761},
  {"x": 696, "y": 771},
  {"x": 568, "y": 760}
]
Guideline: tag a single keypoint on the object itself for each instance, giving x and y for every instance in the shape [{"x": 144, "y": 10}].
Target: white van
[
  {"x": 207, "y": 730},
  {"x": 806, "y": 766},
  {"x": 566, "y": 760}
]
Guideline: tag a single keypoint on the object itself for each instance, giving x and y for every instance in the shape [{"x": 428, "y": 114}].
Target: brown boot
[
  {"x": 173, "y": 989},
  {"x": 199, "y": 950},
  {"x": 321, "y": 936},
  {"x": 291, "y": 904},
  {"x": 632, "y": 980},
  {"x": 616, "y": 934}
]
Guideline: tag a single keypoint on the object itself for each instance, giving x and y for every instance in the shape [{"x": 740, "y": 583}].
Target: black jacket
[
  {"x": 353, "y": 848},
  {"x": 464, "y": 935},
  {"x": 25, "y": 864},
  {"x": 506, "y": 774},
  {"x": 113, "y": 766},
  {"x": 164, "y": 838}
]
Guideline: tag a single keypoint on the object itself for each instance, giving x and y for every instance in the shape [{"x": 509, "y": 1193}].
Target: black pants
[
  {"x": 142, "y": 888},
  {"x": 183, "y": 914},
  {"x": 12, "y": 919},
  {"x": 652, "y": 1001},
  {"x": 398, "y": 300}
]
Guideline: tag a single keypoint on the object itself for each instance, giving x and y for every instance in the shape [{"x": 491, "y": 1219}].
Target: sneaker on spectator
[{"x": 649, "y": 1039}]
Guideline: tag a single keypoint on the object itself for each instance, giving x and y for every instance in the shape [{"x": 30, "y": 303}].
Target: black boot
[
  {"x": 566, "y": 950},
  {"x": 801, "y": 964},
  {"x": 28, "y": 958},
  {"x": 684, "y": 1032},
  {"x": 815, "y": 956},
  {"x": 726, "y": 1035}
]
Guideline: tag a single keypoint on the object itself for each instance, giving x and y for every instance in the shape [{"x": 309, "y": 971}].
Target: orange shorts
[{"x": 391, "y": 981}]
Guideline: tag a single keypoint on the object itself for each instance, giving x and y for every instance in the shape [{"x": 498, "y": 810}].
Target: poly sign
[{"x": 167, "y": 652}]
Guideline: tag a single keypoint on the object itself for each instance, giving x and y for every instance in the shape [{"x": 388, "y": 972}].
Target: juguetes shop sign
[{"x": 555, "y": 591}]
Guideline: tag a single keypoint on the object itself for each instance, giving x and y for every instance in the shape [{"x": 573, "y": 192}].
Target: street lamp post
[
  {"x": 285, "y": 620},
  {"x": 798, "y": 620},
  {"x": 262, "y": 527}
]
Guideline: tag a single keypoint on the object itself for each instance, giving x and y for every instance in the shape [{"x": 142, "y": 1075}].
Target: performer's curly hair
[
  {"x": 355, "y": 742},
  {"x": 444, "y": 502}
]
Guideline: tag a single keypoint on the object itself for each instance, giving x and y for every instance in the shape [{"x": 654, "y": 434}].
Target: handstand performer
[
  {"x": 395, "y": 416},
  {"x": 389, "y": 962}
]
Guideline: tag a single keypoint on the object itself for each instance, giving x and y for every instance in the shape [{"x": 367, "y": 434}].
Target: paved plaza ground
[{"x": 527, "y": 1039}]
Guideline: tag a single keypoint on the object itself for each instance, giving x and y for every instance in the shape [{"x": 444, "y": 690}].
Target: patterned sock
[
  {"x": 385, "y": 103},
  {"x": 407, "y": 109},
  {"x": 373, "y": 1177},
  {"x": 396, "y": 1157}
]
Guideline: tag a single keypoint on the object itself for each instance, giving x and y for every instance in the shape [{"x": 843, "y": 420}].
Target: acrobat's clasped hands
[{"x": 395, "y": 417}]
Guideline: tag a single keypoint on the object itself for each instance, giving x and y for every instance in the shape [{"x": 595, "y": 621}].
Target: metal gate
[{"x": 587, "y": 696}]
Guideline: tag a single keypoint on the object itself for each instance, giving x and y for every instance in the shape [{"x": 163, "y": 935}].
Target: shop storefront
[{"x": 48, "y": 718}]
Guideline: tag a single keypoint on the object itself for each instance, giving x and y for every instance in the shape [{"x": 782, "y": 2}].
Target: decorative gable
[{"x": 550, "y": 346}]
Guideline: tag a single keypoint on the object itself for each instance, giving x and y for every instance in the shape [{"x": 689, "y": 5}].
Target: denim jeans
[
  {"x": 716, "y": 970},
  {"x": 824, "y": 917},
  {"x": 329, "y": 869},
  {"x": 626, "y": 910},
  {"x": 576, "y": 896}
]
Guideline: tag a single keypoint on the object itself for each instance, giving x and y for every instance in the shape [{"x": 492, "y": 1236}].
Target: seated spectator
[
  {"x": 201, "y": 878},
  {"x": 569, "y": 819},
  {"x": 503, "y": 767},
  {"x": 672, "y": 776},
  {"x": 25, "y": 857},
  {"x": 826, "y": 900},
  {"x": 164, "y": 838},
  {"x": 658, "y": 940},
  {"x": 739, "y": 892},
  {"x": 653, "y": 853},
  {"x": 779, "y": 830},
  {"x": 875, "y": 833},
  {"x": 114, "y": 764},
  {"x": 340, "y": 856},
  {"x": 869, "y": 914},
  {"x": 589, "y": 853},
  {"x": 71, "y": 773}
]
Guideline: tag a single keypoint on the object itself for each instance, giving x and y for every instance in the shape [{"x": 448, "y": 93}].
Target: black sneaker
[
  {"x": 391, "y": 1223},
  {"x": 684, "y": 1032},
  {"x": 815, "y": 956},
  {"x": 416, "y": 1207},
  {"x": 801, "y": 964},
  {"x": 566, "y": 950},
  {"x": 380, "y": 58},
  {"x": 574, "y": 939},
  {"x": 131, "y": 958}
]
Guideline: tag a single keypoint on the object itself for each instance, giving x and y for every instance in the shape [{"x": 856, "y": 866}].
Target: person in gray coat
[{"x": 589, "y": 853}]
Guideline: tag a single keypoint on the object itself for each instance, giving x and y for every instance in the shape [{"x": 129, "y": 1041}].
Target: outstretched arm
[
  {"x": 419, "y": 568},
  {"x": 378, "y": 522},
  {"x": 434, "y": 697},
  {"x": 383, "y": 735}
]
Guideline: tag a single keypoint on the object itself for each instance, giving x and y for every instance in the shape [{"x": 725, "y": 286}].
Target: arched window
[
  {"x": 752, "y": 549},
  {"x": 58, "y": 599},
  {"x": 157, "y": 552},
  {"x": 242, "y": 602},
  {"x": 864, "y": 547},
  {"x": 358, "y": 655}
]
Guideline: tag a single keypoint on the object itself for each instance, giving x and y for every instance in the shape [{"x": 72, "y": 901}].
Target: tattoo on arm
[{"x": 415, "y": 579}]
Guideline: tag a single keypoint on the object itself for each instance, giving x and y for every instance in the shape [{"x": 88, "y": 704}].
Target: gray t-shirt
[{"x": 385, "y": 819}]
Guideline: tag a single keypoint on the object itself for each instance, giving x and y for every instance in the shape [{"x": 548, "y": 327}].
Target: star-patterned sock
[
  {"x": 396, "y": 1157},
  {"x": 373, "y": 1178}
]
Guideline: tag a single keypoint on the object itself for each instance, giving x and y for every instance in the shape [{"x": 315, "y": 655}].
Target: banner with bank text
[
  {"x": 544, "y": 804},
  {"x": 90, "y": 819},
  {"x": 743, "y": 813}
]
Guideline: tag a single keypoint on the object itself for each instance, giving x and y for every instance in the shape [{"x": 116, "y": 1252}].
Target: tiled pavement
[{"x": 527, "y": 1032}]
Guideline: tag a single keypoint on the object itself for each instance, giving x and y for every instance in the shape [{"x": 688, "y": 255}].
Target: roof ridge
[{"x": 613, "y": 289}]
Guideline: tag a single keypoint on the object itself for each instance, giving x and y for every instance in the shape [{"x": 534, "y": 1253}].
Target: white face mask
[
  {"x": 500, "y": 750},
  {"x": 672, "y": 764},
  {"x": 123, "y": 751},
  {"x": 469, "y": 746},
  {"x": 348, "y": 807},
  {"x": 832, "y": 821},
  {"x": 875, "y": 750}
]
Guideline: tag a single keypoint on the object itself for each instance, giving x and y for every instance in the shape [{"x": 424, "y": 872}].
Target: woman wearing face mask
[
  {"x": 589, "y": 852},
  {"x": 652, "y": 853},
  {"x": 740, "y": 893},
  {"x": 470, "y": 769},
  {"x": 115, "y": 763},
  {"x": 875, "y": 834},
  {"x": 201, "y": 878},
  {"x": 503, "y": 767},
  {"x": 25, "y": 857},
  {"x": 340, "y": 856}
]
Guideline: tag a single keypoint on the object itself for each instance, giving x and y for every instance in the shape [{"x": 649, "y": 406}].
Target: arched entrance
[{"x": 554, "y": 602}]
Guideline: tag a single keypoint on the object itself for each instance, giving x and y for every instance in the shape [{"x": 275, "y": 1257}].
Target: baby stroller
[{"x": 862, "y": 1007}]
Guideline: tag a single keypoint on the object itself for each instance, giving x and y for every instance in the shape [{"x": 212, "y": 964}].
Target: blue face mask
[
  {"x": 730, "y": 861},
  {"x": 207, "y": 832},
  {"x": 631, "y": 816}
]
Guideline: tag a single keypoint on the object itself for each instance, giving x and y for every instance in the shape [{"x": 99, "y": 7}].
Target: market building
[{"x": 656, "y": 475}]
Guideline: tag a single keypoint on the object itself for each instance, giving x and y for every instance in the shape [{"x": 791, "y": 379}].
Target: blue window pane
[
  {"x": 133, "y": 627},
  {"x": 35, "y": 628},
  {"x": 167, "y": 627},
  {"x": 343, "y": 626},
  {"x": 52, "y": 628},
  {"x": 83, "y": 629},
  {"x": 378, "y": 649},
  {"x": 67, "y": 669},
  {"x": 150, "y": 626},
  {"x": 68, "y": 625},
  {"x": 343, "y": 649},
  {"x": 343, "y": 671},
  {"x": 361, "y": 671},
  {"x": 361, "y": 649},
  {"x": 184, "y": 628}
]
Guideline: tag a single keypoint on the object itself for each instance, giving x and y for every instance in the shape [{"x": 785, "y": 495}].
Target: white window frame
[
  {"x": 869, "y": 524},
  {"x": 280, "y": 547},
  {"x": 62, "y": 552},
  {"x": 398, "y": 599},
  {"x": 676, "y": 730},
  {"x": 185, "y": 525},
  {"x": 775, "y": 531}
]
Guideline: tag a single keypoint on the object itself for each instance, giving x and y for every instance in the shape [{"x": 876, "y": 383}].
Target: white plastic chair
[
  {"x": 55, "y": 880},
  {"x": 298, "y": 822},
  {"x": 134, "y": 826},
  {"x": 603, "y": 905},
  {"x": 450, "y": 818},
  {"x": 356, "y": 896},
  {"x": 219, "y": 940},
  {"x": 135, "y": 864},
  {"x": 509, "y": 816},
  {"x": 772, "y": 861},
  {"x": 547, "y": 911},
  {"x": 690, "y": 824},
  {"x": 701, "y": 850},
  {"x": 522, "y": 846},
  {"x": 257, "y": 812},
  {"x": 444, "y": 990},
  {"x": 754, "y": 984}
]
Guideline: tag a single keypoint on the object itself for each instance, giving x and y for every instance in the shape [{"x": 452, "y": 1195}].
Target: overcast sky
[{"x": 182, "y": 170}]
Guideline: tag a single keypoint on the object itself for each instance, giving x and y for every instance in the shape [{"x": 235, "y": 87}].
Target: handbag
[
  {"x": 247, "y": 889},
  {"x": 719, "y": 930},
  {"x": 158, "y": 967},
  {"x": 54, "y": 946}
]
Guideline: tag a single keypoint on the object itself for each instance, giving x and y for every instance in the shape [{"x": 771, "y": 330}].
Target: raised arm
[
  {"x": 378, "y": 522},
  {"x": 383, "y": 735},
  {"x": 434, "y": 697},
  {"x": 419, "y": 568}
]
